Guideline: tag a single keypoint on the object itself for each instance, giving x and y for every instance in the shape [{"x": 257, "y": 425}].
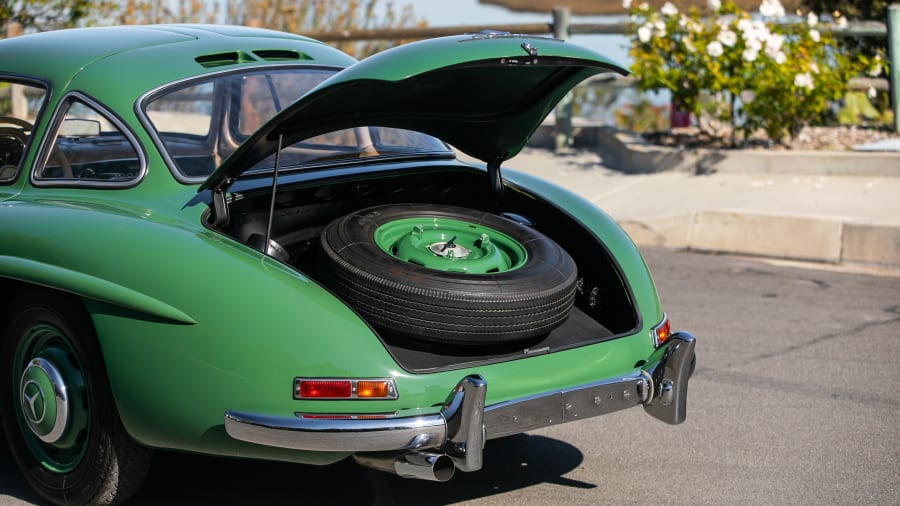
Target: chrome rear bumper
[{"x": 464, "y": 422}]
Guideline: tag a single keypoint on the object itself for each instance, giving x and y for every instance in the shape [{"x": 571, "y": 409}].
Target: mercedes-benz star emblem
[{"x": 35, "y": 409}]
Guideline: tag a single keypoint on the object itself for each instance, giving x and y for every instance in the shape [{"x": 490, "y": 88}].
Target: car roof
[{"x": 150, "y": 55}]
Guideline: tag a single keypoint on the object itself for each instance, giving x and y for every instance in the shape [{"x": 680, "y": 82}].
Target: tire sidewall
[{"x": 81, "y": 483}]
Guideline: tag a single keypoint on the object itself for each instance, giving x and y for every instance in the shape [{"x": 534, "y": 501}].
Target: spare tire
[{"x": 448, "y": 274}]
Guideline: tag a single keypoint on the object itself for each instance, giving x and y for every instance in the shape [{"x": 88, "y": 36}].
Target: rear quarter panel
[{"x": 250, "y": 324}]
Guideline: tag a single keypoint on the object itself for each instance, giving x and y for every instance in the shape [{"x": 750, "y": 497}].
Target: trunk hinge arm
[{"x": 219, "y": 206}]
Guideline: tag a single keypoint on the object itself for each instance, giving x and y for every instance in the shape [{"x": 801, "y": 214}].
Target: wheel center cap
[
  {"x": 44, "y": 400},
  {"x": 449, "y": 249}
]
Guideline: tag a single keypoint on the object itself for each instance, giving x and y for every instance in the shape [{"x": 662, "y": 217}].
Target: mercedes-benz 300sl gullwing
[{"x": 241, "y": 242}]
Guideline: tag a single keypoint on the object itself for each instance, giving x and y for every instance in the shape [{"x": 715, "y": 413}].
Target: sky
[{"x": 470, "y": 12}]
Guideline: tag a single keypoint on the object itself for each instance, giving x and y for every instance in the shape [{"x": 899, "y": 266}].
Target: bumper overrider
[{"x": 433, "y": 446}]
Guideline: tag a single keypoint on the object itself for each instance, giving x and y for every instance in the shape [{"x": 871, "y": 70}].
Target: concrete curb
[
  {"x": 776, "y": 236},
  {"x": 870, "y": 244}
]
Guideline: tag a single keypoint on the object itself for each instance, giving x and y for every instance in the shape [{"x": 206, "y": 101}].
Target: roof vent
[
  {"x": 280, "y": 55},
  {"x": 220, "y": 59}
]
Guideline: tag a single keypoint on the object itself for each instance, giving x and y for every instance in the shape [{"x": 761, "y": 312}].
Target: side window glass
[
  {"x": 89, "y": 146},
  {"x": 19, "y": 107}
]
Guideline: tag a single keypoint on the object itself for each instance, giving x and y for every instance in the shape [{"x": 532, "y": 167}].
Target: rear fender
[{"x": 88, "y": 286}]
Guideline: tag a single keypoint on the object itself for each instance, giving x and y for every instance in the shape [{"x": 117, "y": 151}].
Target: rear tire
[{"x": 71, "y": 447}]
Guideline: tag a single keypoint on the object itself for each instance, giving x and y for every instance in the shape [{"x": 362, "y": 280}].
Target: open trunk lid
[{"x": 483, "y": 93}]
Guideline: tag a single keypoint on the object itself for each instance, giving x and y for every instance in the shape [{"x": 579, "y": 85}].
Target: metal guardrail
[
  {"x": 561, "y": 27},
  {"x": 854, "y": 29}
]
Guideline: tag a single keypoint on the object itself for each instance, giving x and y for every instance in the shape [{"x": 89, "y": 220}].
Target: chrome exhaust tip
[{"x": 419, "y": 465}]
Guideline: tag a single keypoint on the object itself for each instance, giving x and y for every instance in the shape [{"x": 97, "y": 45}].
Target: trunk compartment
[{"x": 305, "y": 204}]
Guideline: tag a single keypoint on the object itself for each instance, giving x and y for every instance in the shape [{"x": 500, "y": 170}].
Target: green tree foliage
[
  {"x": 294, "y": 16},
  {"x": 42, "y": 14}
]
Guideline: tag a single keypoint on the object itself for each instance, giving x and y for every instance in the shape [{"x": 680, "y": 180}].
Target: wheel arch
[
  {"x": 12, "y": 289},
  {"x": 9, "y": 288}
]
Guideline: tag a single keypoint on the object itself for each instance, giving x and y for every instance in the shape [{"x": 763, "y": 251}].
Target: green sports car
[{"x": 241, "y": 242}]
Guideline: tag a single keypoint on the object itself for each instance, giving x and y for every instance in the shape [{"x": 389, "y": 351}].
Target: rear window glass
[{"x": 201, "y": 123}]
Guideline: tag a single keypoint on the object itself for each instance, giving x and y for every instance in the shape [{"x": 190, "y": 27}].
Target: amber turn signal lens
[
  {"x": 376, "y": 389},
  {"x": 661, "y": 332}
]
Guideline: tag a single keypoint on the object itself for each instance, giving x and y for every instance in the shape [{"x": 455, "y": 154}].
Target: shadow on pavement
[
  {"x": 12, "y": 484},
  {"x": 510, "y": 463}
]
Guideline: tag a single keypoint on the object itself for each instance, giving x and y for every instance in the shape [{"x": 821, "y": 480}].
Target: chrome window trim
[{"x": 43, "y": 154}]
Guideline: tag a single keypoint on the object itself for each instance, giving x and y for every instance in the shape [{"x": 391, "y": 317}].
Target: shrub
[
  {"x": 767, "y": 74},
  {"x": 641, "y": 117}
]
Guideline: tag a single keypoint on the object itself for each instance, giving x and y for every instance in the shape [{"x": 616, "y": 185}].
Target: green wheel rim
[
  {"x": 50, "y": 393},
  {"x": 450, "y": 245}
]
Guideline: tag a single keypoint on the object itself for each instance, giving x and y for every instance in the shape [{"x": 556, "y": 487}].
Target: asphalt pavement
[{"x": 785, "y": 210}]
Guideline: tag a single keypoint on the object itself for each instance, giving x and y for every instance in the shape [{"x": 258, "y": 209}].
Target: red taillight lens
[
  {"x": 661, "y": 332},
  {"x": 328, "y": 389}
]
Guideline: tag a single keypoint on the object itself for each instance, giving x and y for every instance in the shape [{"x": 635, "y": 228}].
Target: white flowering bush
[{"x": 776, "y": 76}]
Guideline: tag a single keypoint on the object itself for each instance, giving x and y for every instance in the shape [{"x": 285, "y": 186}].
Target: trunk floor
[{"x": 420, "y": 356}]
